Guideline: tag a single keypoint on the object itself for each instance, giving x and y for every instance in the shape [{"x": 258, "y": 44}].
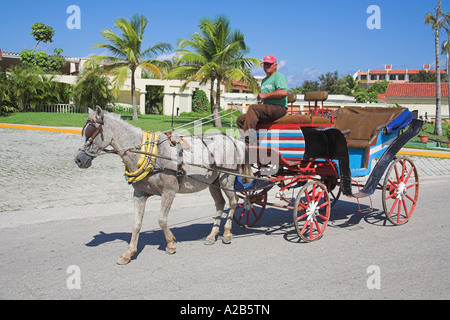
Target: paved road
[{"x": 54, "y": 216}]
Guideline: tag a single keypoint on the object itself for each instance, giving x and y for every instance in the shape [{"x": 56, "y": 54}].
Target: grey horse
[{"x": 106, "y": 129}]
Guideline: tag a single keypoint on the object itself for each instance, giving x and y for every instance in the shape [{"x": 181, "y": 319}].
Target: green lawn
[
  {"x": 429, "y": 131},
  {"x": 146, "y": 122}
]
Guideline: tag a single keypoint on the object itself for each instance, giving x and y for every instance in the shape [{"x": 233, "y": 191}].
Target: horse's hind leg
[
  {"x": 220, "y": 204},
  {"x": 139, "y": 208}
]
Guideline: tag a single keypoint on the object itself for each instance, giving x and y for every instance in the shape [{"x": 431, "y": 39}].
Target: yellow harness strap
[{"x": 146, "y": 163}]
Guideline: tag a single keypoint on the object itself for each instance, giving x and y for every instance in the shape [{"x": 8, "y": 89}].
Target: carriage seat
[
  {"x": 298, "y": 119},
  {"x": 364, "y": 124},
  {"x": 305, "y": 119}
]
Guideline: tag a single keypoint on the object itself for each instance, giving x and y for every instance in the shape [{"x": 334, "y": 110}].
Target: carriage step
[{"x": 360, "y": 195}]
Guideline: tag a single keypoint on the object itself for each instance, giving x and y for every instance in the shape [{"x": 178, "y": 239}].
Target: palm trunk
[
  {"x": 211, "y": 96},
  {"x": 216, "y": 113},
  {"x": 133, "y": 96},
  {"x": 438, "y": 118},
  {"x": 448, "y": 79}
]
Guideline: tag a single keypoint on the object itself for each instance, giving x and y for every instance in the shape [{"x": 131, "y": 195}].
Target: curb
[{"x": 40, "y": 128}]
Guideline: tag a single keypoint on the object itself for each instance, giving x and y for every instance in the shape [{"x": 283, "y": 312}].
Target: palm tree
[
  {"x": 436, "y": 24},
  {"x": 446, "y": 50},
  {"x": 25, "y": 83},
  {"x": 218, "y": 56},
  {"x": 128, "y": 54},
  {"x": 93, "y": 90}
]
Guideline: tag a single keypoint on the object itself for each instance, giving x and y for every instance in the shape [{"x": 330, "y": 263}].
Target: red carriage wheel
[
  {"x": 312, "y": 211},
  {"x": 400, "y": 191},
  {"x": 250, "y": 207}
]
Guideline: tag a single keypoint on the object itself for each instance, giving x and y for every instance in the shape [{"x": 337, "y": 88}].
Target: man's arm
[{"x": 277, "y": 94}]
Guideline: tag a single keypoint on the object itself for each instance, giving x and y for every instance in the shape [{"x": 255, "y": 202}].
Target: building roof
[{"x": 425, "y": 90}]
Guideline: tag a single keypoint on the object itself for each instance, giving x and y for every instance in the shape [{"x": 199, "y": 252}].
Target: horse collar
[{"x": 146, "y": 163}]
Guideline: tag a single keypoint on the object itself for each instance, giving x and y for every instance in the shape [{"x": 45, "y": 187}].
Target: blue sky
[{"x": 309, "y": 38}]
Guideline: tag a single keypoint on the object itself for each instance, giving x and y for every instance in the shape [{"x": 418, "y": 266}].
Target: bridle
[{"x": 91, "y": 130}]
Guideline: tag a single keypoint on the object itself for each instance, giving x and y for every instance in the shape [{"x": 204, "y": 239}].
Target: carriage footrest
[
  {"x": 254, "y": 185},
  {"x": 361, "y": 195}
]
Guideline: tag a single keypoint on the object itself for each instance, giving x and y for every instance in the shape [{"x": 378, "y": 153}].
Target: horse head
[{"x": 97, "y": 138}]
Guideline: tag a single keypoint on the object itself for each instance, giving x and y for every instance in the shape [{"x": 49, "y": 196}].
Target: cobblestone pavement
[{"x": 37, "y": 171}]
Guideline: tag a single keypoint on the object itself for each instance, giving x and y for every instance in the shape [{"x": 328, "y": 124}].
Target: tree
[
  {"x": 307, "y": 86},
  {"x": 8, "y": 101},
  {"x": 42, "y": 33},
  {"x": 31, "y": 58},
  {"x": 424, "y": 76},
  {"x": 218, "y": 55},
  {"x": 25, "y": 84},
  {"x": 154, "y": 99},
  {"x": 128, "y": 54},
  {"x": 40, "y": 59},
  {"x": 92, "y": 90},
  {"x": 446, "y": 50},
  {"x": 436, "y": 23},
  {"x": 200, "y": 102},
  {"x": 328, "y": 82}
]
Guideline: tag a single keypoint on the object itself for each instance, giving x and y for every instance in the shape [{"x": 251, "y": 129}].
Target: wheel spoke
[
  {"x": 393, "y": 207},
  {"x": 413, "y": 185},
  {"x": 304, "y": 206},
  {"x": 409, "y": 176},
  {"x": 405, "y": 208},
  {"x": 399, "y": 212},
  {"x": 391, "y": 196},
  {"x": 411, "y": 199},
  {"x": 302, "y": 217}
]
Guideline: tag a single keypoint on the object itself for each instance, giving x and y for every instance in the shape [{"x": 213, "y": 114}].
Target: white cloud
[
  {"x": 165, "y": 57},
  {"x": 282, "y": 64},
  {"x": 311, "y": 73}
]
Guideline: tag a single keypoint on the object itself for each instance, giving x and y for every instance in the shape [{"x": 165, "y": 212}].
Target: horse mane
[{"x": 118, "y": 118}]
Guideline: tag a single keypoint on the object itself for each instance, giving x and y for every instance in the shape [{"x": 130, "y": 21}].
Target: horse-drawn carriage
[{"x": 313, "y": 158}]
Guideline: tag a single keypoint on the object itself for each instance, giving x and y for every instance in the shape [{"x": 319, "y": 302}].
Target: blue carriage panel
[
  {"x": 358, "y": 156},
  {"x": 287, "y": 140}
]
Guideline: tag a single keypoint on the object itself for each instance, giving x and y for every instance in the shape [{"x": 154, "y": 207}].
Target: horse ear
[
  {"x": 90, "y": 111},
  {"x": 98, "y": 112}
]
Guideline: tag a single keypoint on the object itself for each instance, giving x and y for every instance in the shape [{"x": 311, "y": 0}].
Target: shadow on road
[{"x": 275, "y": 222}]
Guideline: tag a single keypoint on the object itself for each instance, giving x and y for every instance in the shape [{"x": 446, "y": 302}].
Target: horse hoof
[
  {"x": 210, "y": 241},
  {"x": 171, "y": 251},
  {"x": 226, "y": 240},
  {"x": 123, "y": 261}
]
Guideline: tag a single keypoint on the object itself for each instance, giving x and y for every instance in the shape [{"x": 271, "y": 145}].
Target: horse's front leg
[
  {"x": 166, "y": 203},
  {"x": 220, "y": 204},
  {"x": 139, "y": 208},
  {"x": 233, "y": 200}
]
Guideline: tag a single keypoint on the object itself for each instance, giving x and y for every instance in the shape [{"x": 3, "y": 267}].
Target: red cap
[{"x": 270, "y": 59}]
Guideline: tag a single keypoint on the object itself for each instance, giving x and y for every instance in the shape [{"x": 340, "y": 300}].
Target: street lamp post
[{"x": 173, "y": 107}]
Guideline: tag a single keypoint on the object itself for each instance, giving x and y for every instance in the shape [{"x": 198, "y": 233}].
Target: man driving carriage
[{"x": 273, "y": 95}]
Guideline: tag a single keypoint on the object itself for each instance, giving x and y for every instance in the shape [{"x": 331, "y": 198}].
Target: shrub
[{"x": 200, "y": 103}]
